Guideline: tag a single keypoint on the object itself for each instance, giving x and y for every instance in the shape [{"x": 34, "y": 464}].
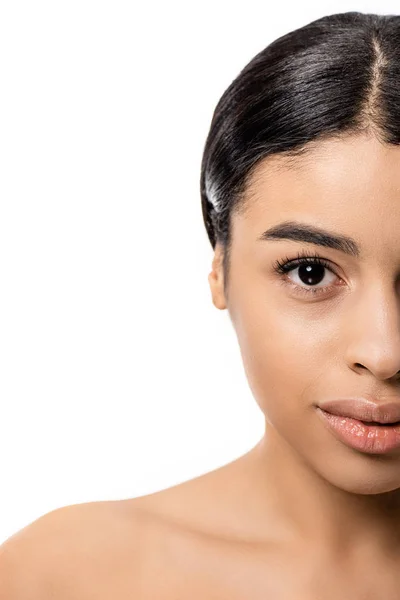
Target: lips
[{"x": 364, "y": 410}]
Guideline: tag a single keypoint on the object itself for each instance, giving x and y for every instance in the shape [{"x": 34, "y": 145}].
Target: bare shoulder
[
  {"x": 71, "y": 550},
  {"x": 179, "y": 542}
]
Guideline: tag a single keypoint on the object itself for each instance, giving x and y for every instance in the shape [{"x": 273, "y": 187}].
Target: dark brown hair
[{"x": 336, "y": 76}]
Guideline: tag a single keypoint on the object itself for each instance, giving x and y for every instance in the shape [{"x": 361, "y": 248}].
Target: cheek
[{"x": 281, "y": 358}]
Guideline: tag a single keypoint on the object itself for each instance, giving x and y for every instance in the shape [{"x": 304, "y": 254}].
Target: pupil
[{"x": 311, "y": 274}]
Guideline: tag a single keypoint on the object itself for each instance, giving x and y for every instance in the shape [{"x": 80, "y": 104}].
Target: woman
[{"x": 300, "y": 188}]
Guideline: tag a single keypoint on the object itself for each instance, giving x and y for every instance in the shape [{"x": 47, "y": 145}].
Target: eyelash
[{"x": 303, "y": 258}]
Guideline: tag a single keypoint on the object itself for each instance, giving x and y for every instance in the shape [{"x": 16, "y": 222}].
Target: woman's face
[{"x": 301, "y": 346}]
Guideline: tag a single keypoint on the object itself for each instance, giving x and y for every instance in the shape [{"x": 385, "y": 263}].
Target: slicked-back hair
[{"x": 336, "y": 76}]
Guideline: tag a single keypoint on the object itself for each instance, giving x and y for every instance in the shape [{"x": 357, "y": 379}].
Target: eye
[{"x": 311, "y": 271}]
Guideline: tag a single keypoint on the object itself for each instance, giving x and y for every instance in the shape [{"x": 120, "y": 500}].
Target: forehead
[{"x": 351, "y": 185}]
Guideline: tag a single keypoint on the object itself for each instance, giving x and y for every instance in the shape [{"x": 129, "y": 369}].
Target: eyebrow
[{"x": 303, "y": 232}]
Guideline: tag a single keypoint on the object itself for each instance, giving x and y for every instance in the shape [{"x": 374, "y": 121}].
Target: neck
[{"x": 305, "y": 506}]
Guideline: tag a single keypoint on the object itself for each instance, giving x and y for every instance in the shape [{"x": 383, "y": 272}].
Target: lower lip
[{"x": 372, "y": 439}]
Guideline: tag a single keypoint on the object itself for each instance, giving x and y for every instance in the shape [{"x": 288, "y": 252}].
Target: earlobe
[{"x": 216, "y": 280}]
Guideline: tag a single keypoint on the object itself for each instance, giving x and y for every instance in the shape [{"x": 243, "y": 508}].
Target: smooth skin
[{"x": 301, "y": 515}]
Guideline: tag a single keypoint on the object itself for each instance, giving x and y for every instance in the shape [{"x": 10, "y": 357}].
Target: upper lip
[{"x": 363, "y": 410}]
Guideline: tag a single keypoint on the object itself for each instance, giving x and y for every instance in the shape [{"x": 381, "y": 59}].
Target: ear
[{"x": 216, "y": 279}]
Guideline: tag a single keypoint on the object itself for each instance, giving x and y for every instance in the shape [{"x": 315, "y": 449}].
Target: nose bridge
[{"x": 374, "y": 328}]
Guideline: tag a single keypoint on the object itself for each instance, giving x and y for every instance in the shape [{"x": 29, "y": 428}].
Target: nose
[{"x": 374, "y": 334}]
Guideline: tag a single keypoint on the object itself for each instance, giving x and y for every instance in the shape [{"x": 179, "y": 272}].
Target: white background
[{"x": 118, "y": 376}]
